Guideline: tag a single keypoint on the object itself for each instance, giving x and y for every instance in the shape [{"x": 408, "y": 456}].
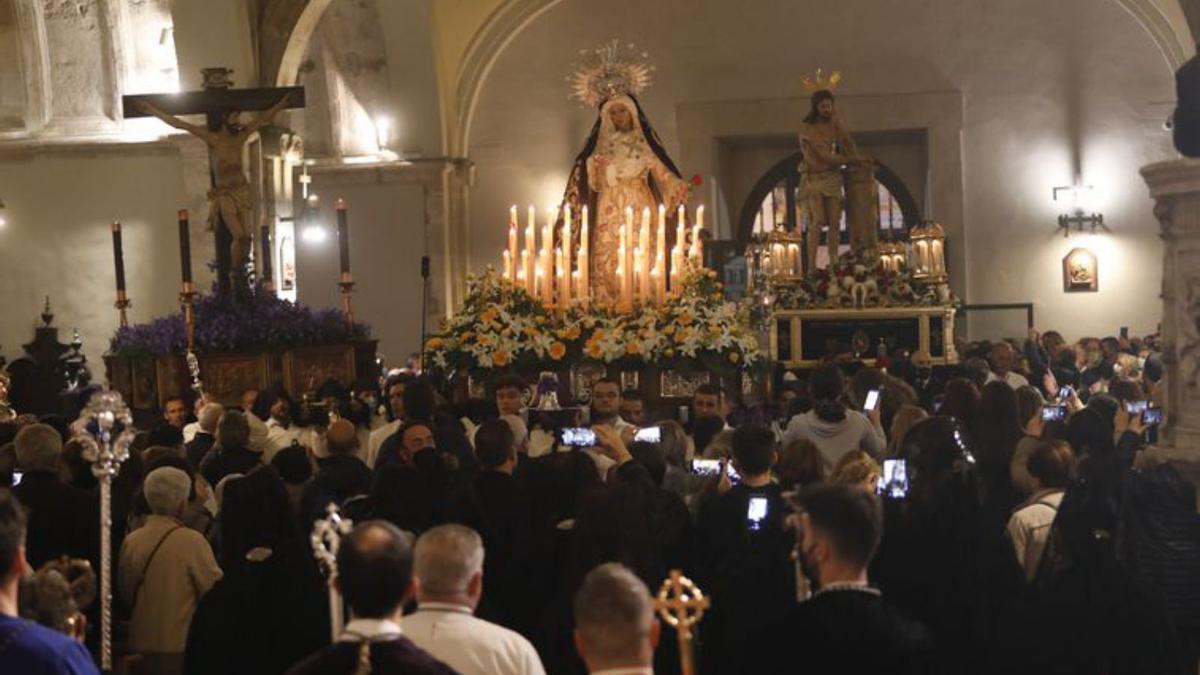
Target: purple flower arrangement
[{"x": 228, "y": 323}]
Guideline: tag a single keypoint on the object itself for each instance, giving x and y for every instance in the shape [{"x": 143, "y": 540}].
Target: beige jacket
[{"x": 183, "y": 570}]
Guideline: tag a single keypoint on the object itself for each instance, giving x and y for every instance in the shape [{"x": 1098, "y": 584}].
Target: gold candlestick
[{"x": 123, "y": 303}]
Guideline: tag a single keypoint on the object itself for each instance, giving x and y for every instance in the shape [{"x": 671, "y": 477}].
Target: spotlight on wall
[
  {"x": 1079, "y": 200},
  {"x": 313, "y": 234},
  {"x": 383, "y": 132},
  {"x": 3, "y": 220}
]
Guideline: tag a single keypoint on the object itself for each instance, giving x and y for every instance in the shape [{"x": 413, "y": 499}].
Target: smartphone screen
[
  {"x": 710, "y": 467},
  {"x": 1065, "y": 393},
  {"x": 756, "y": 512},
  {"x": 1136, "y": 407},
  {"x": 872, "y": 400},
  {"x": 894, "y": 481},
  {"x": 649, "y": 434},
  {"x": 1054, "y": 413},
  {"x": 937, "y": 403},
  {"x": 18, "y": 476},
  {"x": 579, "y": 437},
  {"x": 1152, "y": 416}
]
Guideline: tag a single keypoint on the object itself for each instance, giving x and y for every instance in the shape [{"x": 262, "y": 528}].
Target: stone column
[{"x": 1175, "y": 187}]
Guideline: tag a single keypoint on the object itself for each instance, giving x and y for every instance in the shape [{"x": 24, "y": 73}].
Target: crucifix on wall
[{"x": 231, "y": 199}]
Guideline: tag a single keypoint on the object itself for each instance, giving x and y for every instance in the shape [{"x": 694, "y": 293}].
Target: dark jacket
[
  {"x": 848, "y": 632},
  {"x": 220, "y": 462},
  {"x": 749, "y": 574},
  {"x": 388, "y": 657},
  {"x": 198, "y": 447},
  {"x": 63, "y": 520},
  {"x": 338, "y": 478},
  {"x": 261, "y": 618},
  {"x": 497, "y": 507}
]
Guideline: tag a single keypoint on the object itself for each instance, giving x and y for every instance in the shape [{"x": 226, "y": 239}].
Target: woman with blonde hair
[
  {"x": 856, "y": 468},
  {"x": 906, "y": 416}
]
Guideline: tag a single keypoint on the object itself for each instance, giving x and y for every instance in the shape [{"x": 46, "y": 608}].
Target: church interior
[{"x": 403, "y": 262}]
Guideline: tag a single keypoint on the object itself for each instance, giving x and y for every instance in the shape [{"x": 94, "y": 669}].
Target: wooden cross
[
  {"x": 216, "y": 102},
  {"x": 682, "y": 604}
]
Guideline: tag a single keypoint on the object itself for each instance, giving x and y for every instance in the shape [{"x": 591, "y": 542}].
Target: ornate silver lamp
[
  {"x": 105, "y": 428},
  {"x": 326, "y": 539}
]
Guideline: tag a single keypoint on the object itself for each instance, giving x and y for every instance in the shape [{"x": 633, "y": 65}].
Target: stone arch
[
  {"x": 286, "y": 28},
  {"x": 1164, "y": 20}
]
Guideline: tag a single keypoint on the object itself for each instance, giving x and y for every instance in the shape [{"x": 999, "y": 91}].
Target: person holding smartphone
[
  {"x": 830, "y": 426},
  {"x": 744, "y": 551}
]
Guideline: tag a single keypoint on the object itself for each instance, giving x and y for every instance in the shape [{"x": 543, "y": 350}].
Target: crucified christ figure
[{"x": 230, "y": 200}]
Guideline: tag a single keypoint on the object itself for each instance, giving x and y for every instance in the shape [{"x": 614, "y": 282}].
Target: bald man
[
  {"x": 615, "y": 628},
  {"x": 339, "y": 476}
]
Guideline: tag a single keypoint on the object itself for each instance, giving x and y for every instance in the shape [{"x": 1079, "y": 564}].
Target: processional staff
[
  {"x": 682, "y": 604},
  {"x": 326, "y": 539},
  {"x": 187, "y": 297},
  {"x": 105, "y": 429}
]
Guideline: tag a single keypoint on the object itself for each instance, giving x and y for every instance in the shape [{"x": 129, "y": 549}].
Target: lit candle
[
  {"x": 660, "y": 254},
  {"x": 627, "y": 261},
  {"x": 548, "y": 253},
  {"x": 118, "y": 257},
  {"x": 529, "y": 258},
  {"x": 622, "y": 261},
  {"x": 508, "y": 269},
  {"x": 584, "y": 262},
  {"x": 343, "y": 231},
  {"x": 677, "y": 256},
  {"x": 696, "y": 246},
  {"x": 656, "y": 282},
  {"x": 566, "y": 254},
  {"x": 512, "y": 240},
  {"x": 580, "y": 292},
  {"x": 643, "y": 266},
  {"x": 537, "y": 282},
  {"x": 185, "y": 250}
]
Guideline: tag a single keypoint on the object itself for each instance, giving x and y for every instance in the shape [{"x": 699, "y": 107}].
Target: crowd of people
[{"x": 1009, "y": 514}]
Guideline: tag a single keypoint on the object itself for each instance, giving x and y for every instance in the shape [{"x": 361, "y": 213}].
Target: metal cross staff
[
  {"x": 105, "y": 428},
  {"x": 326, "y": 539},
  {"x": 681, "y": 604}
]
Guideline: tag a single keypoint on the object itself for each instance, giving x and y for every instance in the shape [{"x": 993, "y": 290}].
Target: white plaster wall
[
  {"x": 58, "y": 241},
  {"x": 211, "y": 34},
  {"x": 386, "y": 220},
  {"x": 1049, "y": 91}
]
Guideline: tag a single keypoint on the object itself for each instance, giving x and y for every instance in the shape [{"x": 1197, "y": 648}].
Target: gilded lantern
[
  {"x": 928, "y": 257},
  {"x": 892, "y": 256}
]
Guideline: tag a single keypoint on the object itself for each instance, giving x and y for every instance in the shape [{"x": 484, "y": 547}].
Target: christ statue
[
  {"x": 230, "y": 200},
  {"x": 829, "y": 150},
  {"x": 623, "y": 165}
]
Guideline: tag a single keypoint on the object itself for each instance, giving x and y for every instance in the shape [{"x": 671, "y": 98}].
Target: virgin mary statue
[{"x": 622, "y": 165}]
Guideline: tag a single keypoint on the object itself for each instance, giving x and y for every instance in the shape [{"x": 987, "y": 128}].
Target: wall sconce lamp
[
  {"x": 1079, "y": 199},
  {"x": 3, "y": 221}
]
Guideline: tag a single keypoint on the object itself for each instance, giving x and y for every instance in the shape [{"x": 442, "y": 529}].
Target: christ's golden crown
[{"x": 817, "y": 81}]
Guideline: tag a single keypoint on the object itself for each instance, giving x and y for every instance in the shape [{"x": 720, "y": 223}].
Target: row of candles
[
  {"x": 346, "y": 281},
  {"x": 557, "y": 275}
]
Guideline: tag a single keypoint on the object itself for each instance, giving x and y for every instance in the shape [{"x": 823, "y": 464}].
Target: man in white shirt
[
  {"x": 449, "y": 574},
  {"x": 1003, "y": 358},
  {"x": 606, "y": 410},
  {"x": 395, "y": 393},
  {"x": 615, "y": 628}
]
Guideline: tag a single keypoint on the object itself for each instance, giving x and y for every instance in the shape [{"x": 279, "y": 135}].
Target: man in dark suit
[
  {"x": 744, "y": 554},
  {"x": 375, "y": 576},
  {"x": 232, "y": 452},
  {"x": 928, "y": 385},
  {"x": 206, "y": 435},
  {"x": 498, "y": 509},
  {"x": 339, "y": 476},
  {"x": 846, "y": 627},
  {"x": 63, "y": 520}
]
